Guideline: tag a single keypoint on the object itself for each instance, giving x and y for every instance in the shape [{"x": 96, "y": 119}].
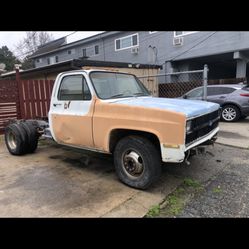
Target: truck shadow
[{"x": 84, "y": 162}]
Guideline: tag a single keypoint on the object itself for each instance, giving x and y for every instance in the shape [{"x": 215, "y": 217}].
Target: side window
[
  {"x": 219, "y": 90},
  {"x": 227, "y": 90},
  {"x": 74, "y": 87},
  {"x": 212, "y": 91},
  {"x": 195, "y": 93}
]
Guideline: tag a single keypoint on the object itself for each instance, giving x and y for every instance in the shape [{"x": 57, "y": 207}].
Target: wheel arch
[
  {"x": 117, "y": 134},
  {"x": 231, "y": 103}
]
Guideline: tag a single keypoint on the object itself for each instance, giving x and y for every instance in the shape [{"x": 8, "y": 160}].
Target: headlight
[{"x": 189, "y": 126}]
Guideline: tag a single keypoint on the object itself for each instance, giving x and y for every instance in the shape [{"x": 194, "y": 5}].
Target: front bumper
[
  {"x": 204, "y": 139},
  {"x": 177, "y": 154}
]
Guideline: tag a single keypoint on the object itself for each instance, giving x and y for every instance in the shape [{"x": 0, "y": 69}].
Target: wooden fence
[
  {"x": 24, "y": 99},
  {"x": 35, "y": 98},
  {"x": 9, "y": 102}
]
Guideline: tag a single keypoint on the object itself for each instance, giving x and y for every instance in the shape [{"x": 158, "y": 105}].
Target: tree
[
  {"x": 27, "y": 63},
  {"x": 8, "y": 58},
  {"x": 29, "y": 44}
]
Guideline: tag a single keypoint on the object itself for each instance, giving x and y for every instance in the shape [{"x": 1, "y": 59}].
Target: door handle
[{"x": 56, "y": 104}]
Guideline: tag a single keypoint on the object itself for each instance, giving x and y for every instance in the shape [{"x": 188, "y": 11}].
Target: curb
[{"x": 232, "y": 146}]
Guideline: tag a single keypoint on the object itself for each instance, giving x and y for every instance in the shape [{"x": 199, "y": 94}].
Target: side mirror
[{"x": 184, "y": 96}]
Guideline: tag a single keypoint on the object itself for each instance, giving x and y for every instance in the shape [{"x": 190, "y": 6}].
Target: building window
[
  {"x": 182, "y": 33},
  {"x": 96, "y": 49},
  {"x": 56, "y": 59},
  {"x": 39, "y": 60},
  {"x": 84, "y": 52},
  {"x": 51, "y": 60},
  {"x": 71, "y": 51},
  {"x": 126, "y": 42}
]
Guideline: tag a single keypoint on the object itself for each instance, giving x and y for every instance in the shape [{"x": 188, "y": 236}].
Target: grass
[
  {"x": 191, "y": 183},
  {"x": 217, "y": 190},
  {"x": 154, "y": 211},
  {"x": 175, "y": 202}
]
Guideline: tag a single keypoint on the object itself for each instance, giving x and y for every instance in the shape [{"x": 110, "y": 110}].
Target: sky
[{"x": 11, "y": 38}]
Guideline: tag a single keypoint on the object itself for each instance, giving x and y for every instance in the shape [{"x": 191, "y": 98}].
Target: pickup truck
[{"x": 112, "y": 112}]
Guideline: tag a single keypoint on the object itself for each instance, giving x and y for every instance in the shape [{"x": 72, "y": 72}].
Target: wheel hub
[
  {"x": 11, "y": 140},
  {"x": 133, "y": 163},
  {"x": 229, "y": 114}
]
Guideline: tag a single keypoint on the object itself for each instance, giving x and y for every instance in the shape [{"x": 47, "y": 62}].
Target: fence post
[
  {"x": 205, "y": 82},
  {"x": 20, "y": 95}
]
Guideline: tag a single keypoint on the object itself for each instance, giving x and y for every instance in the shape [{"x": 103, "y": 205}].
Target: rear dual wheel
[{"x": 21, "y": 138}]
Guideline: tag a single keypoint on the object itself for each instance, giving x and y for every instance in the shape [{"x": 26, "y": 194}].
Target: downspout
[{"x": 103, "y": 42}]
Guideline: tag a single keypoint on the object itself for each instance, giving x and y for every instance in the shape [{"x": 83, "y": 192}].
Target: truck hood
[{"x": 191, "y": 108}]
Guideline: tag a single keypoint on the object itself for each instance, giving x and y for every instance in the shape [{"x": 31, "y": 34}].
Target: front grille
[{"x": 203, "y": 125}]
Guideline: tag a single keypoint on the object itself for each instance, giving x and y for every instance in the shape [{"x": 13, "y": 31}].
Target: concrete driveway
[{"x": 60, "y": 182}]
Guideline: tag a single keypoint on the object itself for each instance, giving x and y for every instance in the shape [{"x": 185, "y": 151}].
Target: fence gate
[
  {"x": 173, "y": 85},
  {"x": 35, "y": 98},
  {"x": 9, "y": 102}
]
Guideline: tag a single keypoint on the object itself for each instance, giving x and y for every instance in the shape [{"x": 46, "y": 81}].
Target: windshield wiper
[
  {"x": 138, "y": 94},
  {"x": 116, "y": 96},
  {"x": 123, "y": 95}
]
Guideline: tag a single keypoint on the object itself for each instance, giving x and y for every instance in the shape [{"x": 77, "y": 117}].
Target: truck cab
[{"x": 112, "y": 112}]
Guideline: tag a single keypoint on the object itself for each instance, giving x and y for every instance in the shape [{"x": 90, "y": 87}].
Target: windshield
[{"x": 117, "y": 85}]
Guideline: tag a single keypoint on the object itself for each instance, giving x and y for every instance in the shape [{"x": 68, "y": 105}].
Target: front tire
[
  {"x": 230, "y": 113},
  {"x": 137, "y": 162}
]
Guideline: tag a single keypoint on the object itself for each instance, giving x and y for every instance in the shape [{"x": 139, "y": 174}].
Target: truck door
[{"x": 71, "y": 110}]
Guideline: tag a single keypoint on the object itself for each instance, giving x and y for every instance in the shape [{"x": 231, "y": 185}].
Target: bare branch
[{"x": 31, "y": 42}]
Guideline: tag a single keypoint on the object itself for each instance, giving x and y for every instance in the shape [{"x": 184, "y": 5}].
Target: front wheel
[
  {"x": 137, "y": 162},
  {"x": 230, "y": 113}
]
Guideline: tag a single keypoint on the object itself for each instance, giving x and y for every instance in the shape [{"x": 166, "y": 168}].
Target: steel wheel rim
[
  {"x": 229, "y": 114},
  {"x": 132, "y": 163},
  {"x": 11, "y": 138}
]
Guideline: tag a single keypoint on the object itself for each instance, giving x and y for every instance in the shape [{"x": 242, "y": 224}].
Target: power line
[
  {"x": 69, "y": 34},
  {"x": 111, "y": 43},
  {"x": 32, "y": 51},
  {"x": 190, "y": 47},
  {"x": 106, "y": 46}
]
